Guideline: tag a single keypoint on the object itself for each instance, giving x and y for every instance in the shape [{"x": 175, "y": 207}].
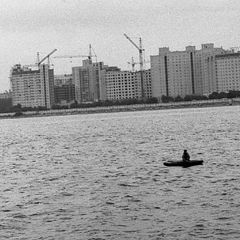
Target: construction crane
[
  {"x": 133, "y": 63},
  {"x": 89, "y": 56},
  {"x": 140, "y": 50},
  {"x": 234, "y": 49},
  {"x": 37, "y": 64},
  {"x": 47, "y": 57}
]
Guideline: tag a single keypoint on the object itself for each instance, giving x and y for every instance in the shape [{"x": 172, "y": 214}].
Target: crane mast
[{"x": 140, "y": 50}]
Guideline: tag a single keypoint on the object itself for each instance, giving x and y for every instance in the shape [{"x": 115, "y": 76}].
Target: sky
[{"x": 31, "y": 26}]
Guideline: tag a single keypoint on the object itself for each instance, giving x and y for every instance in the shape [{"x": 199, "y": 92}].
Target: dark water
[{"x": 101, "y": 176}]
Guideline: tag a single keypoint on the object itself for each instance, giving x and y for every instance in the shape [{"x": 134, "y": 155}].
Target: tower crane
[
  {"x": 234, "y": 49},
  {"x": 47, "y": 57},
  {"x": 133, "y": 63},
  {"x": 140, "y": 50},
  {"x": 89, "y": 56},
  {"x": 36, "y": 65}
]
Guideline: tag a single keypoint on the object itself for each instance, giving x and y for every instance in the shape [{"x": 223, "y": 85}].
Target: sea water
[{"x": 101, "y": 176}]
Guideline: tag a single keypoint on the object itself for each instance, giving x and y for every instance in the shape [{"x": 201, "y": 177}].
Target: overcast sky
[{"x": 31, "y": 26}]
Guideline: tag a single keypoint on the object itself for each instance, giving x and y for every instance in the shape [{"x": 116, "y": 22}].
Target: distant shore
[{"x": 125, "y": 108}]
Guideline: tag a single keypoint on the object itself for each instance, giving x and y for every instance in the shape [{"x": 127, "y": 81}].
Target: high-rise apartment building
[
  {"x": 32, "y": 87},
  {"x": 181, "y": 73},
  {"x": 228, "y": 72},
  {"x": 206, "y": 68},
  {"x": 173, "y": 72},
  {"x": 86, "y": 80}
]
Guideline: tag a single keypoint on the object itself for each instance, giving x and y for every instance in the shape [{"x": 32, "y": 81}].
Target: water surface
[{"x": 101, "y": 176}]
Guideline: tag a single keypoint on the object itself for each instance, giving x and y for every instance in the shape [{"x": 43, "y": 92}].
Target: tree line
[
  {"x": 214, "y": 95},
  {"x": 6, "y": 104}
]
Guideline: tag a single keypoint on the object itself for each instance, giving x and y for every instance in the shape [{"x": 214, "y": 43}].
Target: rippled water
[{"x": 101, "y": 176}]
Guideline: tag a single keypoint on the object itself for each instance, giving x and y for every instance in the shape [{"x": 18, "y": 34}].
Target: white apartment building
[
  {"x": 228, "y": 72},
  {"x": 173, "y": 72},
  {"x": 181, "y": 73},
  {"x": 121, "y": 85},
  {"x": 32, "y": 87},
  {"x": 105, "y": 74},
  {"x": 206, "y": 68}
]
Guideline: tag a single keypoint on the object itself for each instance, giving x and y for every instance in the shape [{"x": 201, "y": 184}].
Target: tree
[
  {"x": 178, "y": 99},
  {"x": 223, "y": 95},
  {"x": 152, "y": 100},
  {"x": 233, "y": 94},
  {"x": 188, "y": 98},
  {"x": 166, "y": 99},
  {"x": 214, "y": 95}
]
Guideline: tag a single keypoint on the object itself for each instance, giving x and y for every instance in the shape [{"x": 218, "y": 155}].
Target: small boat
[{"x": 183, "y": 163}]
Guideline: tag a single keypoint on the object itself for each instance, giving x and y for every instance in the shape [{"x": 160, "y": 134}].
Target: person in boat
[{"x": 185, "y": 156}]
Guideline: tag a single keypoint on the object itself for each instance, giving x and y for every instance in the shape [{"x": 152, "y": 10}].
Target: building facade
[
  {"x": 5, "y": 101},
  {"x": 147, "y": 84},
  {"x": 32, "y": 87},
  {"x": 103, "y": 80},
  {"x": 64, "y": 89},
  {"x": 6, "y": 95},
  {"x": 63, "y": 79},
  {"x": 206, "y": 68},
  {"x": 86, "y": 80},
  {"x": 173, "y": 72},
  {"x": 228, "y": 72},
  {"x": 122, "y": 85},
  {"x": 181, "y": 73}
]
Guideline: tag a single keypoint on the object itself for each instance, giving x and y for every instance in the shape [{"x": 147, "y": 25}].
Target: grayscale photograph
[{"x": 119, "y": 120}]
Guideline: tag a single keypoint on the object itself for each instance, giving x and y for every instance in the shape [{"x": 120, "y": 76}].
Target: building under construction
[
  {"x": 64, "y": 89},
  {"x": 86, "y": 77},
  {"x": 86, "y": 80}
]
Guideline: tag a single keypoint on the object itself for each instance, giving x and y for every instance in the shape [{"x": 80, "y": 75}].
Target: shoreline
[{"x": 125, "y": 108}]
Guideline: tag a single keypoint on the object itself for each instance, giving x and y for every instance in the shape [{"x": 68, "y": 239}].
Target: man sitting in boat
[{"x": 185, "y": 156}]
